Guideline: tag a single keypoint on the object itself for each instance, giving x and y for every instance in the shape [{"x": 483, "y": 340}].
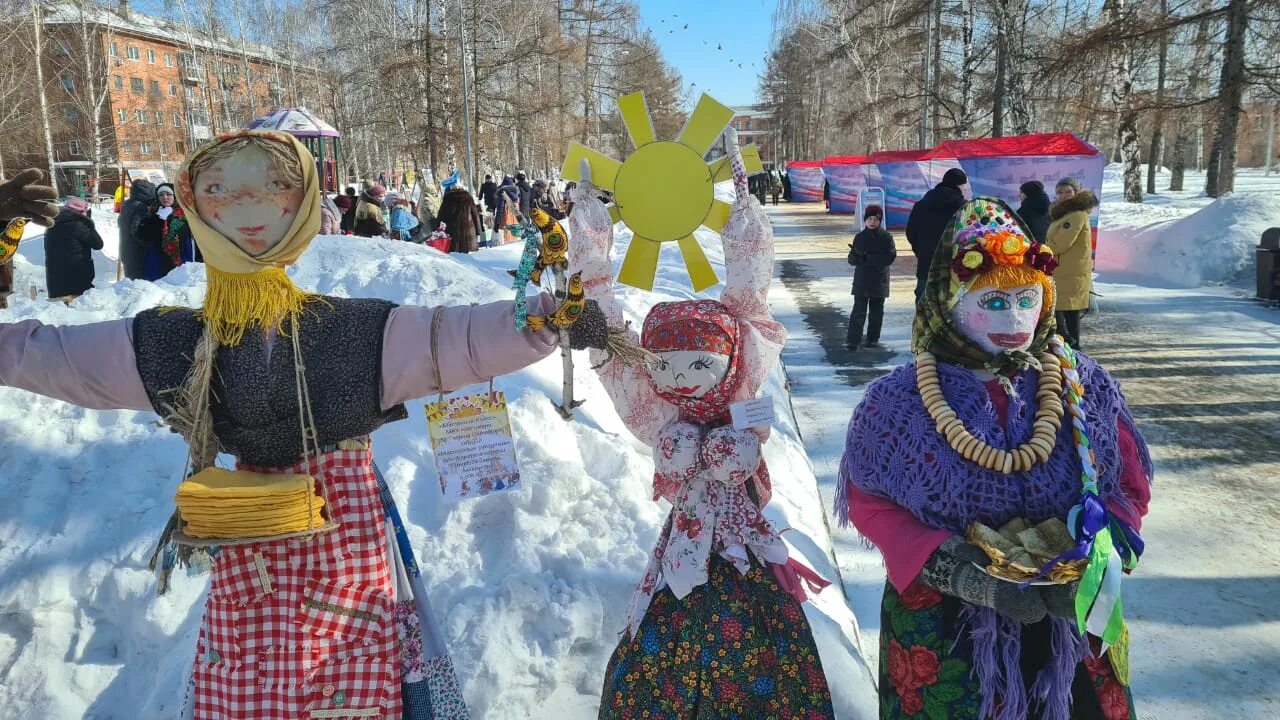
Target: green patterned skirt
[
  {"x": 736, "y": 648},
  {"x": 926, "y": 666}
]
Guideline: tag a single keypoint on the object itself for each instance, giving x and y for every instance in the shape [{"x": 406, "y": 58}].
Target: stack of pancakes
[{"x": 217, "y": 503}]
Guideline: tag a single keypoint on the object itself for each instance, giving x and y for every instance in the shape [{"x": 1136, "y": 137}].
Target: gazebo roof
[{"x": 298, "y": 122}]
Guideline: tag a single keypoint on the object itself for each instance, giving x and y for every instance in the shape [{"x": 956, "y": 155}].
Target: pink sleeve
[
  {"x": 89, "y": 365},
  {"x": 1134, "y": 482},
  {"x": 904, "y": 541},
  {"x": 477, "y": 342}
]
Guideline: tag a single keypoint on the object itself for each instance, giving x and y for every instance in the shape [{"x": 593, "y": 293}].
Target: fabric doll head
[
  {"x": 253, "y": 202},
  {"x": 696, "y": 342},
  {"x": 989, "y": 299}
]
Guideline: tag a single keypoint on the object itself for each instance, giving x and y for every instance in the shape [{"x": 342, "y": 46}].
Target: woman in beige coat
[{"x": 1071, "y": 240}]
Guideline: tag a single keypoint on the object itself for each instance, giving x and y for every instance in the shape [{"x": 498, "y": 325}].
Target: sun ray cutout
[{"x": 664, "y": 190}]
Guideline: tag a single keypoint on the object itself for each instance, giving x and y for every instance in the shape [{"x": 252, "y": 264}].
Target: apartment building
[
  {"x": 754, "y": 125},
  {"x": 169, "y": 87}
]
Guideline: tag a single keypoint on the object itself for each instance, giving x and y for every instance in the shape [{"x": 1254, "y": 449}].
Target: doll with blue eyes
[
  {"x": 715, "y": 628},
  {"x": 997, "y": 422}
]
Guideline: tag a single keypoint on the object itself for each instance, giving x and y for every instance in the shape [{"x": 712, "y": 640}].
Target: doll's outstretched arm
[
  {"x": 590, "y": 242},
  {"x": 91, "y": 365},
  {"x": 748, "y": 261}
]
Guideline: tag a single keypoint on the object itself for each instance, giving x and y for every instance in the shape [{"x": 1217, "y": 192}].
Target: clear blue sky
[{"x": 721, "y": 35}]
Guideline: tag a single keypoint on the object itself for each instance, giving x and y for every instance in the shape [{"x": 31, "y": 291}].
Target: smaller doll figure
[{"x": 715, "y": 628}]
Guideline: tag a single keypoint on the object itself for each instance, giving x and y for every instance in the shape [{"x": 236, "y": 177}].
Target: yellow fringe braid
[{"x": 234, "y": 301}]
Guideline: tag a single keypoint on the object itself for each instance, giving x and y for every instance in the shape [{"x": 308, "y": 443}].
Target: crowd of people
[{"x": 1062, "y": 225}]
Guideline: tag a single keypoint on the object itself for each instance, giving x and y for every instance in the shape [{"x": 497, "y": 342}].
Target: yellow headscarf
[{"x": 246, "y": 290}]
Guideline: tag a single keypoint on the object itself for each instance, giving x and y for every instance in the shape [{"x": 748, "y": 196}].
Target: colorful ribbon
[{"x": 1110, "y": 545}]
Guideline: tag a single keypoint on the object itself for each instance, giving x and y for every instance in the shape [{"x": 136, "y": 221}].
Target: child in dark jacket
[{"x": 871, "y": 254}]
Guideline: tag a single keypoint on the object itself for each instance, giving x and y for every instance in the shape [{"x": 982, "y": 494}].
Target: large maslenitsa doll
[
  {"x": 1004, "y": 481},
  {"x": 307, "y": 613},
  {"x": 715, "y": 627}
]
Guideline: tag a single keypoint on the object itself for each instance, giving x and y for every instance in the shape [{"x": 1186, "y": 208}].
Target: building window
[
  {"x": 123, "y": 115},
  {"x": 155, "y": 87},
  {"x": 140, "y": 116},
  {"x": 173, "y": 90},
  {"x": 119, "y": 82},
  {"x": 126, "y": 148},
  {"x": 137, "y": 85},
  {"x": 131, "y": 52},
  {"x": 68, "y": 82},
  {"x": 144, "y": 148},
  {"x": 70, "y": 113},
  {"x": 188, "y": 93},
  {"x": 64, "y": 48},
  {"x": 180, "y": 147},
  {"x": 159, "y": 118},
  {"x": 151, "y": 56},
  {"x": 164, "y": 148},
  {"x": 73, "y": 147},
  {"x": 115, "y": 50},
  {"x": 168, "y": 59},
  {"x": 177, "y": 120}
]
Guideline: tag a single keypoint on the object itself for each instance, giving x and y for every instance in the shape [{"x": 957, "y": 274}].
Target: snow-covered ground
[
  {"x": 1185, "y": 239},
  {"x": 531, "y": 587},
  {"x": 1201, "y": 369}
]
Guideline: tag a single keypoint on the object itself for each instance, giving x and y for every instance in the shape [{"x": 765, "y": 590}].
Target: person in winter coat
[
  {"x": 330, "y": 215},
  {"x": 1034, "y": 209},
  {"x": 505, "y": 211},
  {"x": 545, "y": 200},
  {"x": 403, "y": 223},
  {"x": 142, "y": 195},
  {"x": 326, "y": 612},
  {"x": 871, "y": 254},
  {"x": 1071, "y": 240},
  {"x": 826, "y": 195},
  {"x": 929, "y": 218},
  {"x": 489, "y": 193},
  {"x": 786, "y": 186},
  {"x": 526, "y": 193},
  {"x": 347, "y": 205},
  {"x": 163, "y": 236},
  {"x": 461, "y": 218},
  {"x": 369, "y": 221},
  {"x": 68, "y": 251}
]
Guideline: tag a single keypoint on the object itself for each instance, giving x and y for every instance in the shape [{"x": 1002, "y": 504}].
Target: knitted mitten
[
  {"x": 18, "y": 197},
  {"x": 950, "y": 570}
]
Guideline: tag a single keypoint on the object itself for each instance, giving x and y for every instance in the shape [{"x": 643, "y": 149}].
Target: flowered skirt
[
  {"x": 926, "y": 666},
  {"x": 737, "y": 647}
]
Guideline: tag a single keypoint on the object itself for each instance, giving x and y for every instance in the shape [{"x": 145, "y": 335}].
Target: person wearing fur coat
[{"x": 1070, "y": 238}]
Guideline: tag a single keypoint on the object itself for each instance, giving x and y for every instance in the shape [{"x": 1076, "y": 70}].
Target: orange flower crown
[{"x": 987, "y": 235}]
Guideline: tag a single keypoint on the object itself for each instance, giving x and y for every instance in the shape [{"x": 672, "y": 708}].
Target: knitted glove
[
  {"x": 1060, "y": 600},
  {"x": 950, "y": 570},
  {"x": 18, "y": 197},
  {"x": 590, "y": 330},
  {"x": 731, "y": 456}
]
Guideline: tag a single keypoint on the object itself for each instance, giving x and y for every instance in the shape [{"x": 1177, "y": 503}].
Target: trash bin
[{"x": 1269, "y": 265}]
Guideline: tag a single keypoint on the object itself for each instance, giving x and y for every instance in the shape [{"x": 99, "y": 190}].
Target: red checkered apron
[{"x": 305, "y": 628}]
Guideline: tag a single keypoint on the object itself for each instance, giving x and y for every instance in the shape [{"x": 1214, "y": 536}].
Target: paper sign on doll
[
  {"x": 472, "y": 442},
  {"x": 752, "y": 413}
]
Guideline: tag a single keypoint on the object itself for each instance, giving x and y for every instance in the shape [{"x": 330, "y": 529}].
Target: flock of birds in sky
[{"x": 719, "y": 46}]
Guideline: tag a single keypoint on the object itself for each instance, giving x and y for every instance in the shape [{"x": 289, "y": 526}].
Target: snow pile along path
[{"x": 530, "y": 587}]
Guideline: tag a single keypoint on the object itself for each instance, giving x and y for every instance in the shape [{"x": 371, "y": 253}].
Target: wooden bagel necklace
[{"x": 1044, "y": 429}]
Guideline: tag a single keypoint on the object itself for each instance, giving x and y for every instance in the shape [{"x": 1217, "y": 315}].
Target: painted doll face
[
  {"x": 999, "y": 320},
  {"x": 691, "y": 373},
  {"x": 247, "y": 200}
]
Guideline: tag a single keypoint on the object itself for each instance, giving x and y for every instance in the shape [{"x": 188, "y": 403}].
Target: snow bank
[
  {"x": 530, "y": 587},
  {"x": 1211, "y": 245}
]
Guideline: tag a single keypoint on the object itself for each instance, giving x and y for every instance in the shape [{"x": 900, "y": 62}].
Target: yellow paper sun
[{"x": 664, "y": 191}]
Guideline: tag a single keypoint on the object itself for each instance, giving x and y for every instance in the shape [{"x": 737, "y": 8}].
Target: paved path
[{"x": 1201, "y": 370}]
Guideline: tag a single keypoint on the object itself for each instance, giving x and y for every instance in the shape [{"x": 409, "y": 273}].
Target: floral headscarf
[{"x": 697, "y": 325}]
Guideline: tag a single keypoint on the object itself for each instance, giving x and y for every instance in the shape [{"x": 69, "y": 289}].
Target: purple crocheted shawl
[{"x": 894, "y": 451}]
